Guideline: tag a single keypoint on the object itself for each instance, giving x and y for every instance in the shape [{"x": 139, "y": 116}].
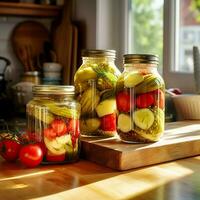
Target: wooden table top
[{"x": 176, "y": 180}]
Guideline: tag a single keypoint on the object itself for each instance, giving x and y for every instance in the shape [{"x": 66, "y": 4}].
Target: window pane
[
  {"x": 189, "y": 33},
  {"x": 146, "y": 27}
]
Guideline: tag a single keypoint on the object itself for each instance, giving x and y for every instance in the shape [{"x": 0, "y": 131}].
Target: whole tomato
[
  {"x": 108, "y": 122},
  {"x": 9, "y": 149},
  {"x": 124, "y": 101},
  {"x": 145, "y": 100},
  {"x": 59, "y": 127},
  {"x": 31, "y": 155}
]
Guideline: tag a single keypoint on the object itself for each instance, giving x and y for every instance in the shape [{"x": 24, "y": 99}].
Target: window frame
[{"x": 182, "y": 80}]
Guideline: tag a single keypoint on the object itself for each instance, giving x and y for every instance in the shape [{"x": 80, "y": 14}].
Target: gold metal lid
[
  {"x": 141, "y": 58},
  {"x": 54, "y": 89},
  {"x": 98, "y": 53},
  {"x": 32, "y": 73}
]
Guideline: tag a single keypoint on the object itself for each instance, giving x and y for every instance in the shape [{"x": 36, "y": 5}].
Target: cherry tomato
[
  {"x": 50, "y": 133},
  {"x": 59, "y": 127},
  {"x": 108, "y": 122},
  {"x": 31, "y": 155},
  {"x": 9, "y": 149},
  {"x": 55, "y": 158},
  {"x": 144, "y": 100},
  {"x": 123, "y": 100}
]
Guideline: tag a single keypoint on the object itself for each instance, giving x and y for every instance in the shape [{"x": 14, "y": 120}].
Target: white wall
[
  {"x": 105, "y": 23},
  {"x": 112, "y": 28},
  {"x": 85, "y": 10}
]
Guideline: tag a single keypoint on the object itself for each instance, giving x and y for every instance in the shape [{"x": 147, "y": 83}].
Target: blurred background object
[{"x": 5, "y": 102}]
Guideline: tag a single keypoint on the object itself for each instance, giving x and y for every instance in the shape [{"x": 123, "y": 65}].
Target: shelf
[{"x": 29, "y": 9}]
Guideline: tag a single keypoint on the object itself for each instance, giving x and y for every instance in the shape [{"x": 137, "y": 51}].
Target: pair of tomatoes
[
  {"x": 125, "y": 101},
  {"x": 30, "y": 155}
]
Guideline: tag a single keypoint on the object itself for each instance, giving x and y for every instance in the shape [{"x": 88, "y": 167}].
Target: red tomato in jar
[
  {"x": 9, "y": 149},
  {"x": 54, "y": 158},
  {"x": 31, "y": 155},
  {"x": 73, "y": 127},
  {"x": 145, "y": 100},
  {"x": 160, "y": 99},
  {"x": 108, "y": 122},
  {"x": 49, "y": 133},
  {"x": 59, "y": 126},
  {"x": 124, "y": 101}
]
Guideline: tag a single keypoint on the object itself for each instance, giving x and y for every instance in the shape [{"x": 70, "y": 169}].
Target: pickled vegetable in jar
[
  {"x": 95, "y": 84},
  {"x": 53, "y": 121},
  {"x": 140, "y": 100}
]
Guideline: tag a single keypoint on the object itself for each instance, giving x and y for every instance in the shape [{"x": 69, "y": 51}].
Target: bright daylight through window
[
  {"x": 189, "y": 33},
  {"x": 146, "y": 27},
  {"x": 146, "y": 30}
]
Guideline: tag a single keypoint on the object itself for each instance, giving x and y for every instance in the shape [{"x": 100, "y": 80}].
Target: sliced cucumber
[
  {"x": 58, "y": 145},
  {"x": 124, "y": 123},
  {"x": 106, "y": 107},
  {"x": 89, "y": 125},
  {"x": 132, "y": 79},
  {"x": 143, "y": 118}
]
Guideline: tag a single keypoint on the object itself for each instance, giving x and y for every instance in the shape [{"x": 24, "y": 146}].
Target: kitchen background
[{"x": 113, "y": 24}]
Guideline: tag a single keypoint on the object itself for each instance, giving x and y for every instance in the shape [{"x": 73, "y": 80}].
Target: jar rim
[
  {"x": 54, "y": 89},
  {"x": 32, "y": 73},
  {"x": 141, "y": 58},
  {"x": 98, "y": 53}
]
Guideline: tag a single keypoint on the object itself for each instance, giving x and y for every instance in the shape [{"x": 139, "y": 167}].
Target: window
[
  {"x": 189, "y": 33},
  {"x": 169, "y": 26},
  {"x": 146, "y": 27}
]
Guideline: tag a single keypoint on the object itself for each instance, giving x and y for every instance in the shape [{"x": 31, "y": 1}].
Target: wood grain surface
[
  {"x": 180, "y": 140},
  {"x": 179, "y": 180}
]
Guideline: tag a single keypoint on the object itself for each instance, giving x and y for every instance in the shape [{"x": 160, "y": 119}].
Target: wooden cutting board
[
  {"x": 180, "y": 140},
  {"x": 28, "y": 40}
]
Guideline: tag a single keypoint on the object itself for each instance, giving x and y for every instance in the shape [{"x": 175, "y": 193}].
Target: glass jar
[
  {"x": 53, "y": 121},
  {"x": 31, "y": 76},
  {"x": 140, "y": 99},
  {"x": 95, "y": 83}
]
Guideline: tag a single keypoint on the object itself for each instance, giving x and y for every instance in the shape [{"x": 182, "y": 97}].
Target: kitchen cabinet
[{"x": 64, "y": 34}]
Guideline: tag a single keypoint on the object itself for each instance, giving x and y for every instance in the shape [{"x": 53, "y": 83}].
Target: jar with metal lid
[
  {"x": 31, "y": 76},
  {"x": 140, "y": 99},
  {"x": 95, "y": 83},
  {"x": 53, "y": 121}
]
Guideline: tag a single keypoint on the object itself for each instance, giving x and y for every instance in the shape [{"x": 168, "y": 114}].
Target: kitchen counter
[{"x": 85, "y": 180}]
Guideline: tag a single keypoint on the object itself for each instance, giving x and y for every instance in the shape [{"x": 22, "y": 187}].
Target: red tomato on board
[
  {"x": 9, "y": 149},
  {"x": 31, "y": 155}
]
